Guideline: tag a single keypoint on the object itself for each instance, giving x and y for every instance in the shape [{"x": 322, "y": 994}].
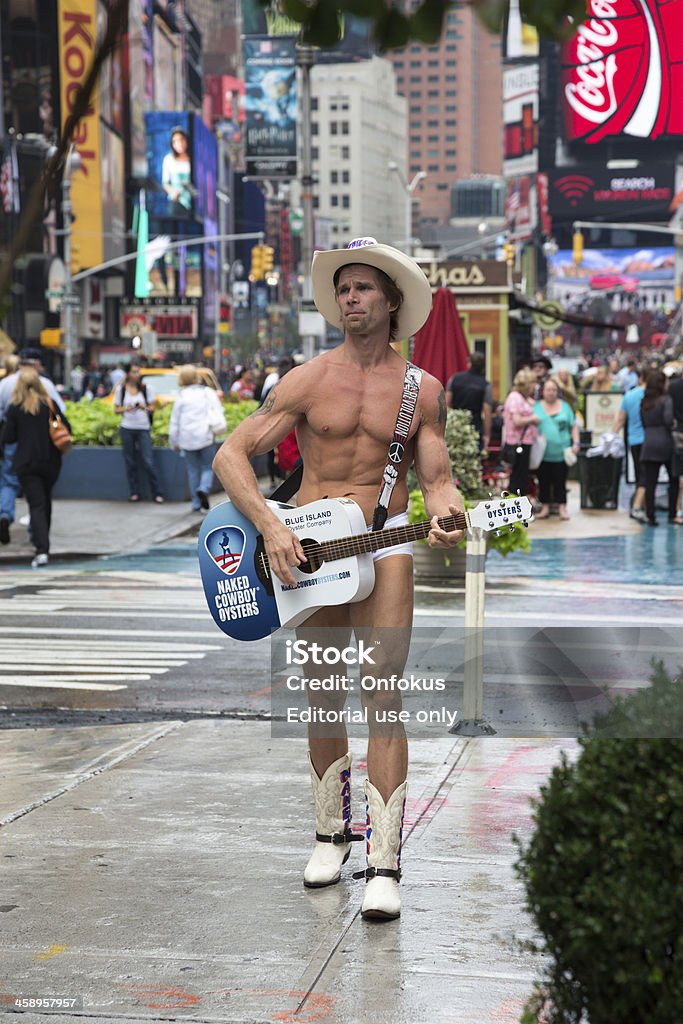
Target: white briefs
[{"x": 400, "y": 549}]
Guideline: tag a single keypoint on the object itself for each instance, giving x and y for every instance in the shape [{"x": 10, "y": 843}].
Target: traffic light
[
  {"x": 509, "y": 252},
  {"x": 577, "y": 247},
  {"x": 256, "y": 273},
  {"x": 267, "y": 258}
]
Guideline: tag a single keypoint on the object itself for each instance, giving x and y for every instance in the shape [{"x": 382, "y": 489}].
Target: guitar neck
[{"x": 364, "y": 543}]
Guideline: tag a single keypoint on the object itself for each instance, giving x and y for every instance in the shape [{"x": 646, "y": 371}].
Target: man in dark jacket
[{"x": 470, "y": 390}]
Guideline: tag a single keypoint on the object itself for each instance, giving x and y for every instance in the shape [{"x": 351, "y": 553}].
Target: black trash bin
[{"x": 599, "y": 478}]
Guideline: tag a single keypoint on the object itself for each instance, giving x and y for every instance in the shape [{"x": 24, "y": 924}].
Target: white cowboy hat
[{"x": 403, "y": 271}]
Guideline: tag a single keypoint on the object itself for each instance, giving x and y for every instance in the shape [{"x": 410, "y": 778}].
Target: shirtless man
[{"x": 343, "y": 405}]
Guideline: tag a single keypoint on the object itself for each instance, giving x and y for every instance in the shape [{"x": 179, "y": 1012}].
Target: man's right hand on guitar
[{"x": 284, "y": 551}]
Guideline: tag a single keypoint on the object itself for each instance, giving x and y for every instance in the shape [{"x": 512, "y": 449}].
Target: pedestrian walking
[
  {"x": 629, "y": 416},
  {"x": 197, "y": 417},
  {"x": 519, "y": 429},
  {"x": 9, "y": 481},
  {"x": 37, "y": 463},
  {"x": 136, "y": 410},
  {"x": 470, "y": 390},
  {"x": 656, "y": 412},
  {"x": 557, "y": 423},
  {"x": 344, "y": 405}
]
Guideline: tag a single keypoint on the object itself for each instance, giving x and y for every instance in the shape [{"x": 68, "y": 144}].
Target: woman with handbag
[
  {"x": 519, "y": 429},
  {"x": 557, "y": 424},
  {"x": 197, "y": 417},
  {"x": 37, "y": 462}
]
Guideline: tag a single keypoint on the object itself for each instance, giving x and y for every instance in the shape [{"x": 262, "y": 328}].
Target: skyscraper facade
[{"x": 454, "y": 95}]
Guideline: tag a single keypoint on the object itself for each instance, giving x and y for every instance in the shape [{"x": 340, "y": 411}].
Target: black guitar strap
[
  {"x": 289, "y": 486},
  {"x": 411, "y": 390}
]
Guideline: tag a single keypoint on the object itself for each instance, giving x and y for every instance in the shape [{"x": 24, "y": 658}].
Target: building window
[
  {"x": 441, "y": 187},
  {"x": 346, "y": 202},
  {"x": 433, "y": 93},
  {"x": 346, "y": 177},
  {"x": 334, "y": 200},
  {"x": 415, "y": 154},
  {"x": 346, "y": 152},
  {"x": 432, "y": 78},
  {"x": 432, "y": 124},
  {"x": 316, "y": 202},
  {"x": 315, "y": 152},
  {"x": 433, "y": 168},
  {"x": 314, "y": 127},
  {"x": 432, "y": 138},
  {"x": 450, "y": 152},
  {"x": 432, "y": 154},
  {"x": 333, "y": 127},
  {"x": 415, "y": 79},
  {"x": 334, "y": 176},
  {"x": 345, "y": 127},
  {"x": 451, "y": 167},
  {"x": 451, "y": 78}
]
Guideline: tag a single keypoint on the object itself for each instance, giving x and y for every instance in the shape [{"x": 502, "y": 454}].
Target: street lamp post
[
  {"x": 408, "y": 188},
  {"x": 305, "y": 59},
  {"x": 70, "y": 300}
]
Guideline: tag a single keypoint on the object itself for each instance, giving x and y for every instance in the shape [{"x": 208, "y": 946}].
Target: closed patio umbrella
[{"x": 440, "y": 345}]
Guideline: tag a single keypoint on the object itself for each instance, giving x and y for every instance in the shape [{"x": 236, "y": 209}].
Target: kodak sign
[{"x": 77, "y": 40}]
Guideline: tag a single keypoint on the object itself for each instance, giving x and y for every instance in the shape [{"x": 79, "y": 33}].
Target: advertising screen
[
  {"x": 645, "y": 274},
  {"x": 520, "y": 120},
  {"x": 622, "y": 73},
  {"x": 177, "y": 146},
  {"x": 592, "y": 190}
]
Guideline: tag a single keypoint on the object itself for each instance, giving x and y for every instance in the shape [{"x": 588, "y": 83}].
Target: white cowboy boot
[
  {"x": 332, "y": 823},
  {"x": 383, "y": 873}
]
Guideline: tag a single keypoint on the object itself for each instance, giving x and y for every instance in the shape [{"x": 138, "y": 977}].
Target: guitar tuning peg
[
  {"x": 505, "y": 494},
  {"x": 526, "y": 525},
  {"x": 497, "y": 533},
  {"x": 512, "y": 529}
]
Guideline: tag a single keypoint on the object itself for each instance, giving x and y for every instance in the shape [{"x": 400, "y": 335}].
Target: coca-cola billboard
[{"x": 622, "y": 73}]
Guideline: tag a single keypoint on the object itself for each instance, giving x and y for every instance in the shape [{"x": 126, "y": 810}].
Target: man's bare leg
[
  {"x": 385, "y": 618},
  {"x": 330, "y": 761},
  {"x": 389, "y": 610}
]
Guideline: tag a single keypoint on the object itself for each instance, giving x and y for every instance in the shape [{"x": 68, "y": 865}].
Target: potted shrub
[
  {"x": 462, "y": 442},
  {"x": 95, "y": 467},
  {"x": 603, "y": 868}
]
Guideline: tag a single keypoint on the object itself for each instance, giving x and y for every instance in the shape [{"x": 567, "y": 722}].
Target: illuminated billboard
[
  {"x": 645, "y": 274},
  {"x": 593, "y": 190},
  {"x": 520, "y": 119},
  {"x": 622, "y": 73},
  {"x": 77, "y": 37}
]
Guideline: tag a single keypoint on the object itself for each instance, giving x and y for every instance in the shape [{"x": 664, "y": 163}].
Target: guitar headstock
[{"x": 501, "y": 512}]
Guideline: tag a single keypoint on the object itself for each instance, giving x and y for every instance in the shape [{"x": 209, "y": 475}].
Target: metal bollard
[{"x": 472, "y": 721}]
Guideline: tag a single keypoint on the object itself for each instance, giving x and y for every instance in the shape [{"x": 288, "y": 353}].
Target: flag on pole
[{"x": 141, "y": 272}]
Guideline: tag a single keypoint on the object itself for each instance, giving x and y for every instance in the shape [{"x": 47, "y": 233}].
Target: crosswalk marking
[{"x": 107, "y": 659}]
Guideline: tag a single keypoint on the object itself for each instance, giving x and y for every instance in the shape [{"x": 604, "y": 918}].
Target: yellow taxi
[{"x": 162, "y": 383}]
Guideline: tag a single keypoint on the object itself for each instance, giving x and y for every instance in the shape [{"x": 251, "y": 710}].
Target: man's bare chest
[{"x": 356, "y": 410}]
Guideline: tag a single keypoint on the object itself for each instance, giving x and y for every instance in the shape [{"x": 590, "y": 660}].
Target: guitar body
[{"x": 246, "y": 602}]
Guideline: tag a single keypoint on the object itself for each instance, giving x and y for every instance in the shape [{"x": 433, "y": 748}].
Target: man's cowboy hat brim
[{"x": 403, "y": 271}]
